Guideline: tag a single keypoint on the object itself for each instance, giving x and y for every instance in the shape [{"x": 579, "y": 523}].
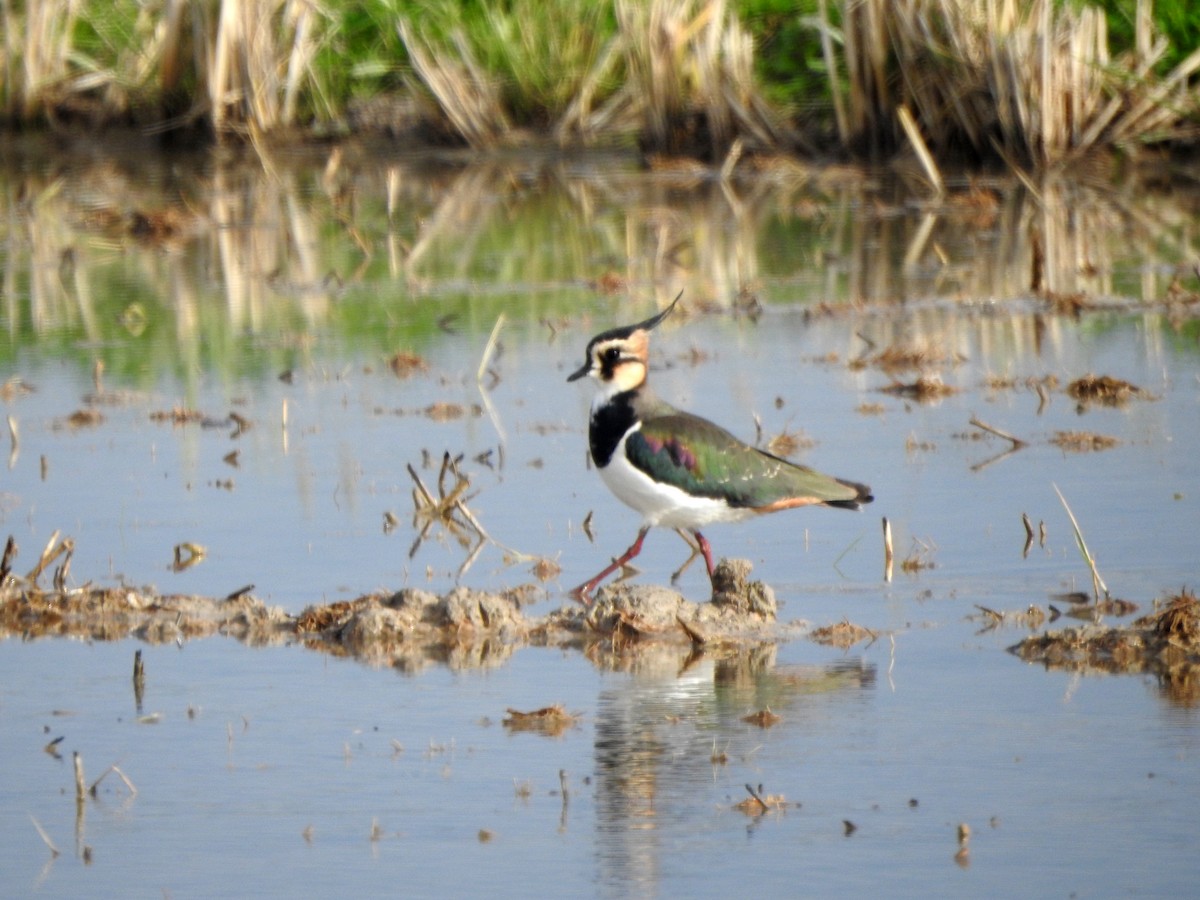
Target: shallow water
[{"x": 280, "y": 770}]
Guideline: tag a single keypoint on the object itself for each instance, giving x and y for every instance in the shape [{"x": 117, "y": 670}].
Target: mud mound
[
  {"x": 1165, "y": 643},
  {"x": 740, "y": 608},
  {"x": 408, "y": 629},
  {"x": 110, "y": 614}
]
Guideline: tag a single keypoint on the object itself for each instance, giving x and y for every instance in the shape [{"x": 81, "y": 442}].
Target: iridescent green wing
[{"x": 705, "y": 460}]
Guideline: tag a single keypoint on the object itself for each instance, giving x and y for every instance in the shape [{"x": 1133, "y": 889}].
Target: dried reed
[
  {"x": 1098, "y": 584},
  {"x": 1032, "y": 80}
]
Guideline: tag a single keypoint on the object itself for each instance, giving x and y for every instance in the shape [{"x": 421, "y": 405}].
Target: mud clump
[
  {"x": 412, "y": 628},
  {"x": 733, "y": 591},
  {"x": 408, "y": 629},
  {"x": 740, "y": 608},
  {"x": 109, "y": 614},
  {"x": 1165, "y": 643}
]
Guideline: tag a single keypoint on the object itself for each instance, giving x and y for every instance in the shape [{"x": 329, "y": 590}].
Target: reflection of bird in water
[
  {"x": 679, "y": 470},
  {"x": 656, "y": 736}
]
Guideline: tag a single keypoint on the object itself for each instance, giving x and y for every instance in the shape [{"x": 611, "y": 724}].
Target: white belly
[{"x": 662, "y": 504}]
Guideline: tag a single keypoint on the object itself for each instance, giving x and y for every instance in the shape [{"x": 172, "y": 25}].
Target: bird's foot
[{"x": 583, "y": 593}]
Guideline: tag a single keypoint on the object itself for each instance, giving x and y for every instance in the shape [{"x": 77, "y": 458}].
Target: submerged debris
[
  {"x": 552, "y": 721},
  {"x": 1031, "y": 618},
  {"x": 844, "y": 634},
  {"x": 925, "y": 389},
  {"x": 901, "y": 358},
  {"x": 84, "y": 418},
  {"x": 1083, "y": 441},
  {"x": 760, "y": 802},
  {"x": 764, "y": 718}
]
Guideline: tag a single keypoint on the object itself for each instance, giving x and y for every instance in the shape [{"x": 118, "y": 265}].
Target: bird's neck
[{"x": 612, "y": 417}]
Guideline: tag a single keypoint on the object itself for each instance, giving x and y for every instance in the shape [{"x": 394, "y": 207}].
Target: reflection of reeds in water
[
  {"x": 261, "y": 248},
  {"x": 1030, "y": 81}
]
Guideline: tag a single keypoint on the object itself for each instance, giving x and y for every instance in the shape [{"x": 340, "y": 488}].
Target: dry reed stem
[
  {"x": 54, "y": 851},
  {"x": 921, "y": 149},
  {"x": 462, "y": 89},
  {"x": 1015, "y": 441},
  {"x": 14, "y": 433},
  {"x": 889, "y": 555},
  {"x": 79, "y": 790},
  {"x": 1098, "y": 584},
  {"x": 116, "y": 771},
  {"x": 1035, "y": 77}
]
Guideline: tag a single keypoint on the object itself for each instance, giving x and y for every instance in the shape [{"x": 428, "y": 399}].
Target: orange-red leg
[
  {"x": 584, "y": 591},
  {"x": 707, "y": 551}
]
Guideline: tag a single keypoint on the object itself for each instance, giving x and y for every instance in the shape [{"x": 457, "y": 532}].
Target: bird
[{"x": 676, "y": 469}]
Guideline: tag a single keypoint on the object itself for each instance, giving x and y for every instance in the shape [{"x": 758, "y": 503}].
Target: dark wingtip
[{"x": 864, "y": 496}]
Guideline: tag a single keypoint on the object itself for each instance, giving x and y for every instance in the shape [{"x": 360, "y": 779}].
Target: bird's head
[{"x": 617, "y": 358}]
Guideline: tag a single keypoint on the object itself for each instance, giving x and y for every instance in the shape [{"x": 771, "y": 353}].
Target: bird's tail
[{"x": 863, "y": 495}]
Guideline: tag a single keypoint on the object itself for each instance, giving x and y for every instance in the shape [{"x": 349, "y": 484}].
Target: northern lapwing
[{"x": 677, "y": 469}]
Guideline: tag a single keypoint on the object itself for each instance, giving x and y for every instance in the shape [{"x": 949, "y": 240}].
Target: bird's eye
[{"x": 612, "y": 354}]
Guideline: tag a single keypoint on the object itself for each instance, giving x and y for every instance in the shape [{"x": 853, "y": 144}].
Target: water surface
[{"x": 282, "y": 770}]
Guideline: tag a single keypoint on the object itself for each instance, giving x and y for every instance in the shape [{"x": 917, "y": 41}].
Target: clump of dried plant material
[
  {"x": 187, "y": 555},
  {"x": 902, "y": 358},
  {"x": 1178, "y": 622},
  {"x": 764, "y": 718},
  {"x": 1165, "y": 643},
  {"x": 999, "y": 382},
  {"x": 1104, "y": 390},
  {"x": 178, "y": 415},
  {"x": 926, "y": 388},
  {"x": 15, "y": 386},
  {"x": 448, "y": 508},
  {"x": 85, "y": 418},
  {"x": 438, "y": 411},
  {"x": 552, "y": 721},
  {"x": 760, "y": 801},
  {"x": 404, "y": 364},
  {"x": 843, "y": 634},
  {"x": 546, "y": 569},
  {"x": 788, "y": 443},
  {"x": 1083, "y": 441},
  {"x": 920, "y": 556},
  {"x": 315, "y": 619},
  {"x": 442, "y": 411}
]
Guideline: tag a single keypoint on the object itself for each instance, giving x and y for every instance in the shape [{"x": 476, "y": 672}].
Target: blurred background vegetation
[{"x": 1029, "y": 81}]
